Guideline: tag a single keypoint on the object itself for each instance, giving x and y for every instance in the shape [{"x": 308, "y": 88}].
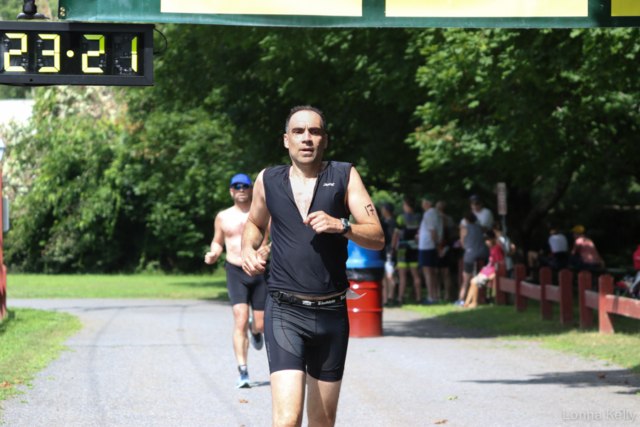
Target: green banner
[{"x": 363, "y": 13}]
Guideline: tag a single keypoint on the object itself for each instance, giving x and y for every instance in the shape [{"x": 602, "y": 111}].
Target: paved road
[{"x": 170, "y": 363}]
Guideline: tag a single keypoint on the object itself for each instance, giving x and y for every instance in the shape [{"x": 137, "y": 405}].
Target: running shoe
[
  {"x": 243, "y": 380},
  {"x": 256, "y": 339},
  {"x": 428, "y": 301}
]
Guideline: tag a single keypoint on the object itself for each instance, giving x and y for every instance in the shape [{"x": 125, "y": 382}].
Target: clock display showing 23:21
[{"x": 43, "y": 53}]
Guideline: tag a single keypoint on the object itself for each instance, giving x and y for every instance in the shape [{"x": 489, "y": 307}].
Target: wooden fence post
[
  {"x": 501, "y": 297},
  {"x": 520, "y": 273},
  {"x": 605, "y": 287},
  {"x": 546, "y": 309},
  {"x": 565, "y": 279},
  {"x": 586, "y": 313}
]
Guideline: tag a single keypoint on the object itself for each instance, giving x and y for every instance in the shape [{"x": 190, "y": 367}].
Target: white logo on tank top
[{"x": 329, "y": 184}]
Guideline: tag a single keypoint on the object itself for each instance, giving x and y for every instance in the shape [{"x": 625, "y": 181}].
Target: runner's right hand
[{"x": 210, "y": 258}]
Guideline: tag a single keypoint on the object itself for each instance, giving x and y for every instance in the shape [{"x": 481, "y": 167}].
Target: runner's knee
[
  {"x": 241, "y": 320},
  {"x": 287, "y": 418},
  {"x": 259, "y": 324}
]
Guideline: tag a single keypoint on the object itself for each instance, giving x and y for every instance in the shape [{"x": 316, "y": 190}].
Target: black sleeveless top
[{"x": 303, "y": 262}]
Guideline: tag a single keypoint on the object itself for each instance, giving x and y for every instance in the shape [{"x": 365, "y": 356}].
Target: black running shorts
[
  {"x": 244, "y": 289},
  {"x": 308, "y": 339}
]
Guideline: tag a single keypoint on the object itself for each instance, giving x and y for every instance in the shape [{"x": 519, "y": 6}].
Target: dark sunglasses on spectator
[{"x": 240, "y": 186}]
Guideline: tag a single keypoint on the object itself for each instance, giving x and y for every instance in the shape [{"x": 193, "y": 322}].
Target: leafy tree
[
  {"x": 545, "y": 111},
  {"x": 64, "y": 167}
]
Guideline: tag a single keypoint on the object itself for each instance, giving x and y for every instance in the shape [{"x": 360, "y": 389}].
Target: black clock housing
[{"x": 35, "y": 53}]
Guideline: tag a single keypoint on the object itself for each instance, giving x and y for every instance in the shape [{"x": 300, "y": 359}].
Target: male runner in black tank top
[{"x": 306, "y": 323}]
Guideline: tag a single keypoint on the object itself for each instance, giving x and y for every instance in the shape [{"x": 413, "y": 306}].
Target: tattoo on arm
[{"x": 370, "y": 209}]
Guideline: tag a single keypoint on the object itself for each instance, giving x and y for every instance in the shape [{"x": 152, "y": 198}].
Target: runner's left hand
[
  {"x": 323, "y": 223},
  {"x": 251, "y": 262}
]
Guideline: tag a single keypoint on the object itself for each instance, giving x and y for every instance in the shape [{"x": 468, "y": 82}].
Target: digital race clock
[{"x": 63, "y": 53}]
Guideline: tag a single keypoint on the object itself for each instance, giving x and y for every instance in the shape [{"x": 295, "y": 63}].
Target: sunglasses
[{"x": 240, "y": 186}]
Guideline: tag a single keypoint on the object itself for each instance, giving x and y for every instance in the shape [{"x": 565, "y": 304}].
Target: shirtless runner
[
  {"x": 306, "y": 325},
  {"x": 242, "y": 289}
]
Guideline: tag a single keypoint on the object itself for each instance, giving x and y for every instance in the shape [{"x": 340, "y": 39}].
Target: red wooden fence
[
  {"x": 604, "y": 301},
  {"x": 545, "y": 292}
]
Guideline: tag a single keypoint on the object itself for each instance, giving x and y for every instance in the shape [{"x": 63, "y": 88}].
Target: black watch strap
[{"x": 347, "y": 226}]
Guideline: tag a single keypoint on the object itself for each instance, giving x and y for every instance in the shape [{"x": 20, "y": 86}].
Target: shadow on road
[
  {"x": 578, "y": 379},
  {"x": 430, "y": 328}
]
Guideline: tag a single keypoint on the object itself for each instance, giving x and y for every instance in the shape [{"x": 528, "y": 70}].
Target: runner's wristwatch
[{"x": 347, "y": 226}]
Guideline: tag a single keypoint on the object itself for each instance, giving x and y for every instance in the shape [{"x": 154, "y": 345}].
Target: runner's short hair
[{"x": 306, "y": 108}]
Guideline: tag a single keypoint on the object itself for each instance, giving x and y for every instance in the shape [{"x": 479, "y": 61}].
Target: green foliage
[
  {"x": 121, "y": 180},
  {"x": 544, "y": 111},
  {"x": 118, "y": 286},
  {"x": 70, "y": 160},
  {"x": 155, "y": 173},
  {"x": 29, "y": 340}
]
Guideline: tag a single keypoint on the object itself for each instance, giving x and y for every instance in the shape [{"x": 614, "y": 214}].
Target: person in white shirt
[
  {"x": 555, "y": 254},
  {"x": 429, "y": 238},
  {"x": 484, "y": 215}
]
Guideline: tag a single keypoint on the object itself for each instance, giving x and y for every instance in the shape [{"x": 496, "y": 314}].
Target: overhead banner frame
[{"x": 363, "y": 13}]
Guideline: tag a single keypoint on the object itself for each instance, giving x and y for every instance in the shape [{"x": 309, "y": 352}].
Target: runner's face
[
  {"x": 306, "y": 140},
  {"x": 241, "y": 196}
]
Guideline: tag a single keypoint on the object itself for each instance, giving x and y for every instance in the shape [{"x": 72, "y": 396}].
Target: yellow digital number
[
  {"x": 15, "y": 52},
  {"x": 93, "y": 53},
  {"x": 55, "y": 53},
  {"x": 134, "y": 54}
]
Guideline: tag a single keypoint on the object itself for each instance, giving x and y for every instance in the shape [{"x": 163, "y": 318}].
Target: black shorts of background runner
[
  {"x": 309, "y": 339},
  {"x": 244, "y": 289}
]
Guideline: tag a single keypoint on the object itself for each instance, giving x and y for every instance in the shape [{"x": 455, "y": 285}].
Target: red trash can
[{"x": 365, "y": 271}]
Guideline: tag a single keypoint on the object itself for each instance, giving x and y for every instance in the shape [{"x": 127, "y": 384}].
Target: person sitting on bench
[{"x": 496, "y": 255}]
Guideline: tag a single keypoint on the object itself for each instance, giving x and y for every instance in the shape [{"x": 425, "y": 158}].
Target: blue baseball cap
[{"x": 241, "y": 179}]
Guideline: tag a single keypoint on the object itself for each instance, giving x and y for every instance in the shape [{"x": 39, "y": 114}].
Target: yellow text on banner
[
  {"x": 265, "y": 7},
  {"x": 488, "y": 8}
]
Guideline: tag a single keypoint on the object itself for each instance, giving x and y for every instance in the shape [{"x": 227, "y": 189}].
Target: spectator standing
[
  {"x": 389, "y": 225},
  {"x": 584, "y": 255},
  {"x": 404, "y": 239},
  {"x": 508, "y": 247},
  {"x": 429, "y": 238},
  {"x": 444, "y": 261},
  {"x": 555, "y": 254},
  {"x": 474, "y": 249}
]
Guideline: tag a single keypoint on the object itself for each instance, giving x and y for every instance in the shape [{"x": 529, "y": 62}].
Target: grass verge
[
  {"x": 620, "y": 348},
  {"x": 29, "y": 340},
  {"x": 117, "y": 286}
]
